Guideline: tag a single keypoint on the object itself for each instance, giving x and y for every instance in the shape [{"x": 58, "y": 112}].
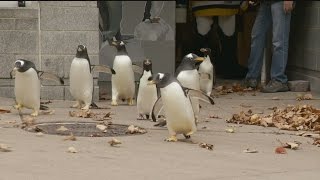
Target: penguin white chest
[
  {"x": 147, "y": 94},
  {"x": 189, "y": 79},
  {"x": 27, "y": 89},
  {"x": 205, "y": 83},
  {"x": 123, "y": 81},
  {"x": 81, "y": 79},
  {"x": 178, "y": 110}
]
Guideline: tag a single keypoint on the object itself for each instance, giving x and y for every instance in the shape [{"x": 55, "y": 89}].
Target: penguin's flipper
[
  {"x": 13, "y": 73},
  {"x": 137, "y": 69},
  {"x": 196, "y": 94},
  {"x": 156, "y": 109},
  {"x": 204, "y": 76},
  {"x": 103, "y": 69},
  {"x": 49, "y": 76}
]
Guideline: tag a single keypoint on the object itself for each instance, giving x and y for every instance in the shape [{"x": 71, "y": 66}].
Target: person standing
[{"x": 278, "y": 15}]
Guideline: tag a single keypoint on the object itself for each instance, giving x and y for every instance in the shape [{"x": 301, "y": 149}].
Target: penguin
[
  {"x": 123, "y": 82},
  {"x": 188, "y": 75},
  {"x": 27, "y": 85},
  {"x": 176, "y": 101},
  {"x": 147, "y": 94},
  {"x": 206, "y": 71},
  {"x": 81, "y": 78}
]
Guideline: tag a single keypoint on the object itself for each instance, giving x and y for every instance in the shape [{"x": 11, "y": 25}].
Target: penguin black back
[
  {"x": 23, "y": 65},
  {"x": 82, "y": 52}
]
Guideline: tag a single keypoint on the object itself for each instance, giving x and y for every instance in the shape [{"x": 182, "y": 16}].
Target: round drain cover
[{"x": 84, "y": 129}]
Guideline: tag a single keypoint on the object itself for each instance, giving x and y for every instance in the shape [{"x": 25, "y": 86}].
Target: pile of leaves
[
  {"x": 235, "y": 88},
  {"x": 294, "y": 118}
]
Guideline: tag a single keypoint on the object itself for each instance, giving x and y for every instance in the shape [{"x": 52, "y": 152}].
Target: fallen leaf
[
  {"x": 48, "y": 111},
  {"x": 230, "y": 130},
  {"x": 4, "y": 148},
  {"x": 206, "y": 146},
  {"x": 213, "y": 116},
  {"x": 62, "y": 129},
  {"x": 28, "y": 121},
  {"x": 72, "y": 150},
  {"x": 133, "y": 130},
  {"x": 101, "y": 127},
  {"x": 250, "y": 151},
  {"x": 114, "y": 142},
  {"x": 245, "y": 106},
  {"x": 307, "y": 97},
  {"x": 280, "y": 150},
  {"x": 291, "y": 145},
  {"x": 39, "y": 134},
  {"x": 4, "y": 111},
  {"x": 204, "y": 127},
  {"x": 70, "y": 138},
  {"x": 275, "y": 98}
]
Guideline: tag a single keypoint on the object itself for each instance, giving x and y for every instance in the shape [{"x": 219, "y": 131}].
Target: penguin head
[
  {"x": 206, "y": 51},
  {"x": 23, "y": 65},
  {"x": 120, "y": 45},
  {"x": 82, "y": 52},
  {"x": 161, "y": 80},
  {"x": 147, "y": 65},
  {"x": 190, "y": 60}
]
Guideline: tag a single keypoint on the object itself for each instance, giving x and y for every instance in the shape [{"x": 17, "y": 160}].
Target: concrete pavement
[{"x": 147, "y": 156}]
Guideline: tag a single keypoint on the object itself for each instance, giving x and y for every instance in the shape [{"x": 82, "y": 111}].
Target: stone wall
[
  {"x": 48, "y": 34},
  {"x": 304, "y": 50}
]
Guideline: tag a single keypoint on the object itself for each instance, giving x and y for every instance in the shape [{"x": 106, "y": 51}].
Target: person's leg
[
  {"x": 204, "y": 24},
  {"x": 280, "y": 41},
  {"x": 258, "y": 40}
]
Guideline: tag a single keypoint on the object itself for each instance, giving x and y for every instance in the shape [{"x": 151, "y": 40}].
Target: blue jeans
[{"x": 270, "y": 14}]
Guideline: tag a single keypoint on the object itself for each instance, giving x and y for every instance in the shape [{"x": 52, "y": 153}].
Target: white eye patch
[
  {"x": 20, "y": 62},
  {"x": 189, "y": 55},
  {"x": 121, "y": 43},
  {"x": 161, "y": 75}
]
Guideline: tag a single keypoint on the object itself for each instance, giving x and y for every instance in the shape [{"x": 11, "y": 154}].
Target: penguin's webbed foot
[
  {"x": 76, "y": 105},
  {"x": 86, "y": 107},
  {"x": 35, "y": 113},
  {"x": 130, "y": 101},
  {"x": 18, "y": 106},
  {"x": 114, "y": 103},
  {"x": 172, "y": 139}
]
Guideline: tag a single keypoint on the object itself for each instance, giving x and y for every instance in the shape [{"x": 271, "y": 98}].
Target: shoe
[
  {"x": 249, "y": 82},
  {"x": 275, "y": 86}
]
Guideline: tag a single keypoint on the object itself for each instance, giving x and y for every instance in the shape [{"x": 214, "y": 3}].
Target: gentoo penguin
[
  {"x": 27, "y": 85},
  {"x": 206, "y": 71},
  {"x": 177, "y": 105},
  {"x": 81, "y": 78},
  {"x": 147, "y": 94},
  {"x": 188, "y": 75},
  {"x": 123, "y": 84}
]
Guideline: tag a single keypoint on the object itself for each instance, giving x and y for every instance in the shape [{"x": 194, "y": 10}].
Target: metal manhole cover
[{"x": 84, "y": 129}]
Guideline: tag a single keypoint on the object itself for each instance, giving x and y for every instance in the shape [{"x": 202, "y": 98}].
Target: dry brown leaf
[
  {"x": 214, "y": 117},
  {"x": 133, "y": 130},
  {"x": 4, "y": 148},
  {"x": 114, "y": 142},
  {"x": 307, "y": 97},
  {"x": 291, "y": 145},
  {"x": 72, "y": 150},
  {"x": 101, "y": 127},
  {"x": 48, "y": 111},
  {"x": 62, "y": 129},
  {"x": 70, "y": 138},
  {"x": 4, "y": 111},
  {"x": 250, "y": 151},
  {"x": 206, "y": 146},
  {"x": 280, "y": 150},
  {"x": 28, "y": 121},
  {"x": 230, "y": 130},
  {"x": 39, "y": 134},
  {"x": 245, "y": 106},
  {"x": 275, "y": 98}
]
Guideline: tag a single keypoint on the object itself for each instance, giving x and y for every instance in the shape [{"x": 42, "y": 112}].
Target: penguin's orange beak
[
  {"x": 199, "y": 59},
  {"x": 152, "y": 82}
]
